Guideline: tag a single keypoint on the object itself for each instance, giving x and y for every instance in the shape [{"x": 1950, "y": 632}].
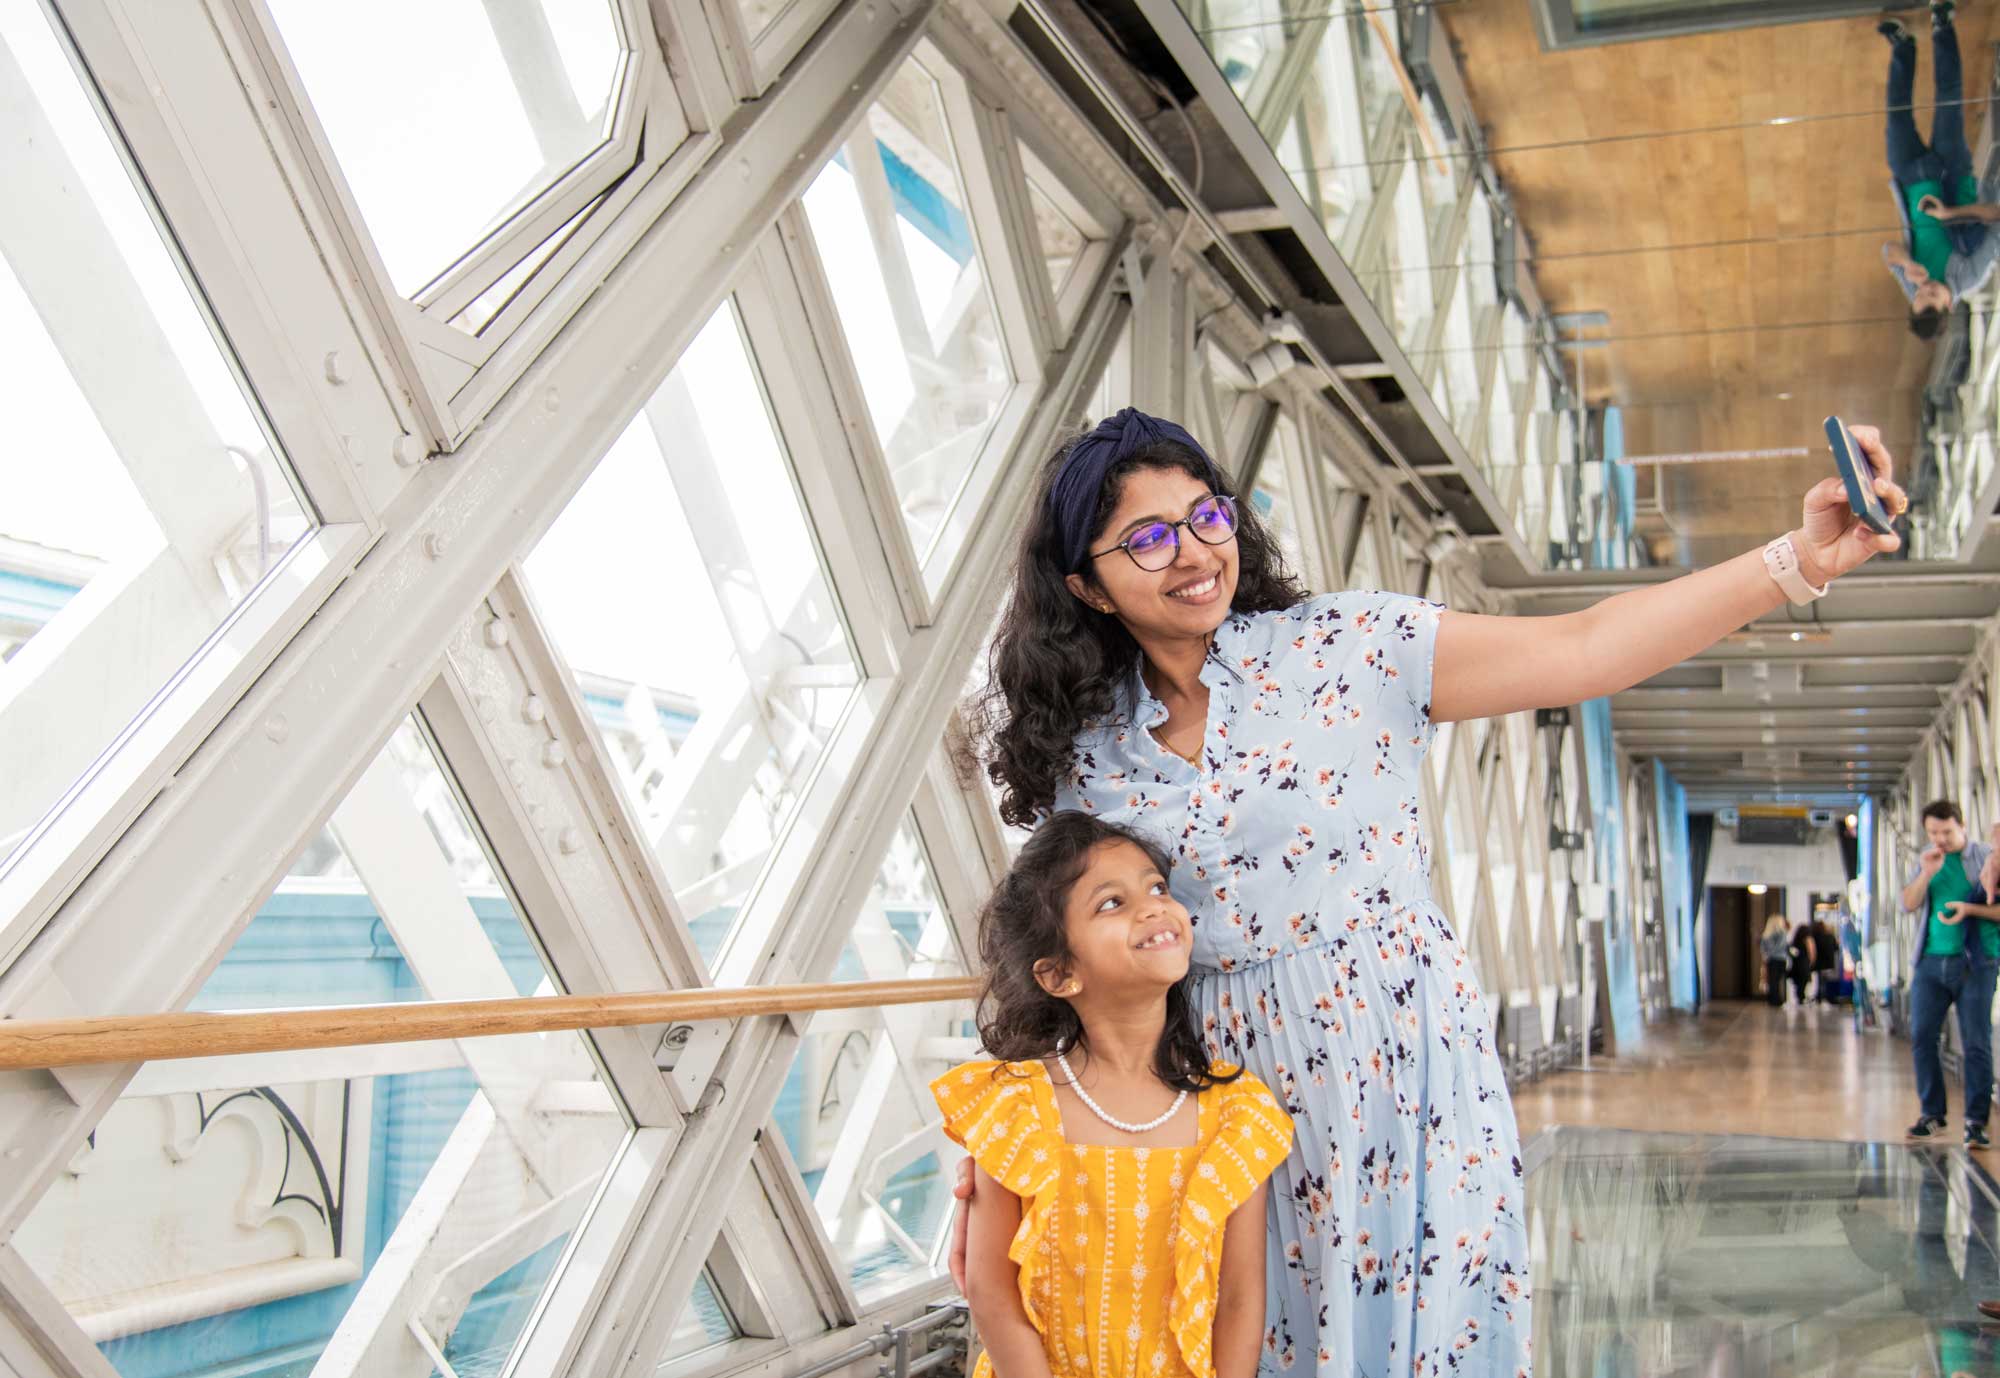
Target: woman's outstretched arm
[{"x": 1486, "y": 666}]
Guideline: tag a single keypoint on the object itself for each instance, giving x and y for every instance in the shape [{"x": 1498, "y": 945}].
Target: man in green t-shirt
[
  {"x": 1957, "y": 955},
  {"x": 1947, "y": 249}
]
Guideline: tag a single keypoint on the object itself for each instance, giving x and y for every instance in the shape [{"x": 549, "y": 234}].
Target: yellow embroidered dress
[{"x": 1119, "y": 1249}]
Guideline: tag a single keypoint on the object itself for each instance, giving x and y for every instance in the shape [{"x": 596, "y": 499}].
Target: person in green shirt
[
  {"x": 1956, "y": 957},
  {"x": 1947, "y": 249}
]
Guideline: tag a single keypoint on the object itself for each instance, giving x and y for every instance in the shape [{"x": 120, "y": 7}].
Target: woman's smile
[{"x": 1206, "y": 589}]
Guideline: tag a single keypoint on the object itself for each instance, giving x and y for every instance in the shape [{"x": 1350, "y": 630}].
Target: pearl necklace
[{"x": 1062, "y": 1061}]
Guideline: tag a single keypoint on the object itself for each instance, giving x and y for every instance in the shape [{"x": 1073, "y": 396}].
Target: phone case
[{"x": 1858, "y": 475}]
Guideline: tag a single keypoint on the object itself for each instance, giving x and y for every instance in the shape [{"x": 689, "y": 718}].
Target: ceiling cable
[
  {"x": 1647, "y": 335},
  {"x": 1745, "y": 242},
  {"x": 1642, "y": 136}
]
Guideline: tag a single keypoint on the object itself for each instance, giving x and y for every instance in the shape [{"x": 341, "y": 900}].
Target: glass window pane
[
  {"x": 1366, "y": 571},
  {"x": 140, "y": 497},
  {"x": 856, "y": 1110},
  {"x": 683, "y": 586},
  {"x": 320, "y": 938},
  {"x": 248, "y": 1214},
  {"x": 705, "y": 1324},
  {"x": 888, "y": 215},
  {"x": 1273, "y": 497},
  {"x": 1060, "y": 226},
  {"x": 448, "y": 116}
]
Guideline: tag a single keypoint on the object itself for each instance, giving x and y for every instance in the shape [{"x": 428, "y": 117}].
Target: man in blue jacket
[
  {"x": 1952, "y": 963},
  {"x": 1947, "y": 249}
]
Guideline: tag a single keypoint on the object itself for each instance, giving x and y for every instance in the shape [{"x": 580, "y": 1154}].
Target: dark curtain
[{"x": 1701, "y": 831}]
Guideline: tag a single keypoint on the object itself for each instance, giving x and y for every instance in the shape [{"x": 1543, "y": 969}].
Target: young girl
[{"x": 1117, "y": 1227}]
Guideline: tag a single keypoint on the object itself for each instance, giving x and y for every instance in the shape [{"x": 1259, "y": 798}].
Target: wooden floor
[{"x": 1743, "y": 1069}]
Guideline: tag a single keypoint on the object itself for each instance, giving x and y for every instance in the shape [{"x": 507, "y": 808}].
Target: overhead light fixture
[
  {"x": 1854, "y": 820},
  {"x": 1576, "y": 320},
  {"x": 1757, "y": 638},
  {"x": 1714, "y": 456},
  {"x": 1758, "y": 889}
]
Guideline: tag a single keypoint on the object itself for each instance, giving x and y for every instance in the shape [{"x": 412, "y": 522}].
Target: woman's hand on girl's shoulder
[{"x": 961, "y": 1190}]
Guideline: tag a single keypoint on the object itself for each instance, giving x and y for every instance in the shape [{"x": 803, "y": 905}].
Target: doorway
[{"x": 1736, "y": 922}]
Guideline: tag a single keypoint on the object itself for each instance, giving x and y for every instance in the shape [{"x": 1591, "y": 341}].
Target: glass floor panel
[{"x": 1729, "y": 1256}]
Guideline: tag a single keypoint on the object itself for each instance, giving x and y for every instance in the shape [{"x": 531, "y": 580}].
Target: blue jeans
[
  {"x": 1948, "y": 157},
  {"x": 1937, "y": 984}
]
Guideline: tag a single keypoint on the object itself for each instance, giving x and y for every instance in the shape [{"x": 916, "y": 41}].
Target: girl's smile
[{"x": 1126, "y": 931}]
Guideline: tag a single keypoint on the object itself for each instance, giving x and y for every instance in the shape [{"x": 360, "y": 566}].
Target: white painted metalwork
[{"x": 761, "y": 794}]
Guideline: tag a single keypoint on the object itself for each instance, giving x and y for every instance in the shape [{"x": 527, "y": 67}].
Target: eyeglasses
[{"x": 1155, "y": 545}]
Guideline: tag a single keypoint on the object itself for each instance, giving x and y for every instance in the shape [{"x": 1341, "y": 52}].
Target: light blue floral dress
[{"x": 1322, "y": 964}]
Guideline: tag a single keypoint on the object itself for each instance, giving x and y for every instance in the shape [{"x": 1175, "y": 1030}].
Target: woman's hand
[
  {"x": 961, "y": 1188},
  {"x": 1832, "y": 539}
]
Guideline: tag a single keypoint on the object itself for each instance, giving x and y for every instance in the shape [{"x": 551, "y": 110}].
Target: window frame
[{"x": 453, "y": 379}]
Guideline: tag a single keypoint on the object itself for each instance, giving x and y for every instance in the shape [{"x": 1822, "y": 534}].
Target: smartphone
[{"x": 1859, "y": 476}]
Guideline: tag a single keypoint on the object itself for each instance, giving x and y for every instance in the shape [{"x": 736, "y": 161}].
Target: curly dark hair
[
  {"x": 1055, "y": 663},
  {"x": 1025, "y": 924}
]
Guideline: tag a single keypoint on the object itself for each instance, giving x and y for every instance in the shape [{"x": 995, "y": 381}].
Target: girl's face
[
  {"x": 1127, "y": 934},
  {"x": 1191, "y": 596}
]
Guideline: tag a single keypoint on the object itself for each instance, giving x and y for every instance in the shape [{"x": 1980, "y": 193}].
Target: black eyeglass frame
[{"x": 1228, "y": 505}]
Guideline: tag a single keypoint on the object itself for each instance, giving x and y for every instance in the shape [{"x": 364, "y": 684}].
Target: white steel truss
[{"x": 716, "y": 1225}]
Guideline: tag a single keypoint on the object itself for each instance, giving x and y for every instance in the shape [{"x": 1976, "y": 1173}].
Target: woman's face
[{"x": 1191, "y": 596}]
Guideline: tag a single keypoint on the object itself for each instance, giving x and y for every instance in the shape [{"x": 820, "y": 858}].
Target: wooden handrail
[{"x": 31, "y": 1044}]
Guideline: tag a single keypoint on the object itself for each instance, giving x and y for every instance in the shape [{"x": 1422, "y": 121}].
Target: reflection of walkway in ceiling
[{"x": 1715, "y": 372}]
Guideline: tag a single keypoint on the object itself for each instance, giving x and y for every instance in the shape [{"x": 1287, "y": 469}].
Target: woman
[
  {"x": 1776, "y": 945},
  {"x": 1158, "y": 666}
]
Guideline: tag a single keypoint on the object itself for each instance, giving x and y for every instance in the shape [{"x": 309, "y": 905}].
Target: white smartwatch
[{"x": 1781, "y": 562}]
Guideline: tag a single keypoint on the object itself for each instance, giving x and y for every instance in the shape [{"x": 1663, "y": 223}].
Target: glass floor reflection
[{"x": 1714, "y": 1257}]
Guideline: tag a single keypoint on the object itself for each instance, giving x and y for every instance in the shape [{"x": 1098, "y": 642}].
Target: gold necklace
[{"x": 1192, "y": 758}]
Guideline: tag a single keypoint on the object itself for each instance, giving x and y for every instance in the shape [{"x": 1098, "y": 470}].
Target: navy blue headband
[{"x": 1073, "y": 496}]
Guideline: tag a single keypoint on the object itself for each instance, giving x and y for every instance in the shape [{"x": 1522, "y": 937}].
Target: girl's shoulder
[
  {"x": 1243, "y": 1092},
  {"x": 1001, "y": 1113}
]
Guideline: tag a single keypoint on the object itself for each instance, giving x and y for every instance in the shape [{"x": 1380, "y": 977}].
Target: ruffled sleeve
[
  {"x": 1252, "y": 1136},
  {"x": 996, "y": 1112}
]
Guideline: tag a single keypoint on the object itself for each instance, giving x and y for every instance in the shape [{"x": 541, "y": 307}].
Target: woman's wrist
[{"x": 1809, "y": 568}]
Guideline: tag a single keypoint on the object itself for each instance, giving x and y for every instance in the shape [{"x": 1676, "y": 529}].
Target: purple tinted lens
[
  {"x": 1152, "y": 541},
  {"x": 1214, "y": 519}
]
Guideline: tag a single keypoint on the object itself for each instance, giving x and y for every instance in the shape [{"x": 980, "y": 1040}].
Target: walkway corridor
[
  {"x": 1799, "y": 1073},
  {"x": 1736, "y": 1199}
]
